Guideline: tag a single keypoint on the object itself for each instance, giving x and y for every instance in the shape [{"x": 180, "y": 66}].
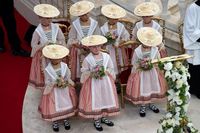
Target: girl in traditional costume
[
  {"x": 146, "y": 84},
  {"x": 116, "y": 33},
  {"x": 147, "y": 10},
  {"x": 45, "y": 33},
  {"x": 98, "y": 97},
  {"x": 81, "y": 27},
  {"x": 59, "y": 100}
]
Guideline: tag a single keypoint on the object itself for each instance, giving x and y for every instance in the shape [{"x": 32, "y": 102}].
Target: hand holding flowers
[
  {"x": 60, "y": 82},
  {"x": 145, "y": 64},
  {"x": 111, "y": 37},
  {"x": 98, "y": 72}
]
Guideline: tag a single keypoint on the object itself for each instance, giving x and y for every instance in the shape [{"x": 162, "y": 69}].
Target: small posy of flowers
[
  {"x": 111, "y": 37},
  {"x": 61, "y": 83},
  {"x": 145, "y": 64},
  {"x": 176, "y": 119},
  {"x": 98, "y": 72}
]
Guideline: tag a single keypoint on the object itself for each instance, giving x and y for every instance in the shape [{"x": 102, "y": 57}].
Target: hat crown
[
  {"x": 55, "y": 51},
  {"x": 113, "y": 11},
  {"x": 93, "y": 40},
  {"x": 149, "y": 36},
  {"x": 81, "y": 8},
  {"x": 46, "y": 10},
  {"x": 147, "y": 9}
]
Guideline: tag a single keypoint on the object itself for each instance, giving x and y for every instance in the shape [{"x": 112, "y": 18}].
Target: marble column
[
  {"x": 182, "y": 4},
  {"x": 165, "y": 13}
]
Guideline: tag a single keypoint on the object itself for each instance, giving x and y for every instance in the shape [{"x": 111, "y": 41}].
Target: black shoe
[
  {"x": 142, "y": 111},
  {"x": 2, "y": 50},
  {"x": 154, "y": 108},
  {"x": 55, "y": 127},
  {"x": 107, "y": 122},
  {"x": 21, "y": 52},
  {"x": 97, "y": 125},
  {"x": 66, "y": 125}
]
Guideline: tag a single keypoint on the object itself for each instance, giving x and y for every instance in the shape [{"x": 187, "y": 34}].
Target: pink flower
[
  {"x": 97, "y": 69},
  {"x": 113, "y": 37}
]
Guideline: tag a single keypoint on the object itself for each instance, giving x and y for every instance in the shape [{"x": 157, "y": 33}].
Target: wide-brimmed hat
[
  {"x": 113, "y": 11},
  {"x": 147, "y": 9},
  {"x": 46, "y": 10},
  {"x": 55, "y": 51},
  {"x": 93, "y": 40},
  {"x": 81, "y": 8},
  {"x": 149, "y": 36}
]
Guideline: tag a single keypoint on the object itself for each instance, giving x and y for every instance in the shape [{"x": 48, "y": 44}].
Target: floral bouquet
[
  {"x": 98, "y": 72},
  {"x": 60, "y": 82},
  {"x": 145, "y": 64},
  {"x": 111, "y": 37},
  {"x": 176, "y": 119}
]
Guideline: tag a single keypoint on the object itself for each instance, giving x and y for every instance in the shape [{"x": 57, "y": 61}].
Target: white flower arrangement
[{"x": 176, "y": 119}]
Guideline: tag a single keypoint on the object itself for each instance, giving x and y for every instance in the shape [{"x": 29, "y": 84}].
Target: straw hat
[
  {"x": 55, "y": 51},
  {"x": 93, "y": 40},
  {"x": 113, "y": 11},
  {"x": 147, "y": 9},
  {"x": 149, "y": 36},
  {"x": 46, "y": 10},
  {"x": 81, "y": 8}
]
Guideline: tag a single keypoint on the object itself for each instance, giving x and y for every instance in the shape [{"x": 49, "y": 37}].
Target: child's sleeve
[
  {"x": 125, "y": 35},
  {"x": 69, "y": 77},
  {"x": 49, "y": 84},
  {"x": 35, "y": 39},
  {"x": 35, "y": 43},
  {"x": 61, "y": 37},
  {"x": 72, "y": 36},
  {"x": 134, "y": 33},
  {"x": 110, "y": 68},
  {"x": 85, "y": 70},
  {"x": 134, "y": 62}
]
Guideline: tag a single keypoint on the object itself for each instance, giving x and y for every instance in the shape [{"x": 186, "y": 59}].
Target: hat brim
[
  {"x": 93, "y": 40},
  {"x": 46, "y": 11},
  {"x": 55, "y": 51},
  {"x": 113, "y": 11},
  {"x": 87, "y": 6},
  {"x": 142, "y": 10},
  {"x": 143, "y": 34}
]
